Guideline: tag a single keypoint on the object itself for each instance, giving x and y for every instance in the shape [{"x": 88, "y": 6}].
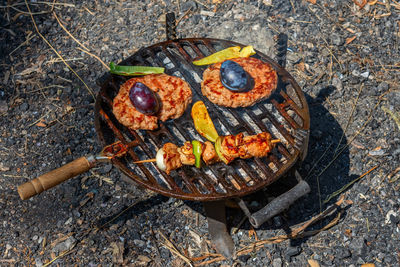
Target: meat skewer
[{"x": 226, "y": 149}]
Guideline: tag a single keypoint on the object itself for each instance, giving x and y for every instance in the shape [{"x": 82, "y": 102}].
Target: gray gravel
[{"x": 335, "y": 48}]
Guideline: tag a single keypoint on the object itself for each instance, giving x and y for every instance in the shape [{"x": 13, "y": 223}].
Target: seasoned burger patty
[
  {"x": 174, "y": 94},
  {"x": 265, "y": 81}
]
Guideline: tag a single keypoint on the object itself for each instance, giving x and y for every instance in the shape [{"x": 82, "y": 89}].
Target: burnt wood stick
[
  {"x": 279, "y": 204},
  {"x": 54, "y": 177}
]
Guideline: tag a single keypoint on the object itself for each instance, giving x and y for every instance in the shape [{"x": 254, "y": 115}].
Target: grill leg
[{"x": 216, "y": 217}]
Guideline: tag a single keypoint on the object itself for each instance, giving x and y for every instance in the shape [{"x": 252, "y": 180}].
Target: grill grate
[{"x": 285, "y": 115}]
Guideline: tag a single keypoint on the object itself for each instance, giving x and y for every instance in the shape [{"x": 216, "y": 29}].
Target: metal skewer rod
[{"x": 146, "y": 160}]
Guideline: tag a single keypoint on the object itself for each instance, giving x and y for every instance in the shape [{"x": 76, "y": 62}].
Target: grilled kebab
[{"x": 226, "y": 149}]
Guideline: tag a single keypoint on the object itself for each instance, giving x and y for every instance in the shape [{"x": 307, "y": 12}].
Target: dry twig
[
  {"x": 96, "y": 57},
  {"x": 169, "y": 245},
  {"x": 55, "y": 51}
]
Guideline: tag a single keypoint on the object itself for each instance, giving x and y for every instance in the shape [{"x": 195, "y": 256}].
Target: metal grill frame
[{"x": 190, "y": 183}]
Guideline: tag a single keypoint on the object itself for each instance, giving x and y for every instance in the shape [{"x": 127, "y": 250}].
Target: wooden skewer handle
[{"x": 54, "y": 177}]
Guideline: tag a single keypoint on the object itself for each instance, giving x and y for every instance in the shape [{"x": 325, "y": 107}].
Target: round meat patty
[
  {"x": 174, "y": 95},
  {"x": 265, "y": 82}
]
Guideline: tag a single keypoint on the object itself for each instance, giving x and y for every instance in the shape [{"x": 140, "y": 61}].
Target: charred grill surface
[{"x": 284, "y": 115}]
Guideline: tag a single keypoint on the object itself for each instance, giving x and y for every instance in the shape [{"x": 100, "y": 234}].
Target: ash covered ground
[{"x": 345, "y": 56}]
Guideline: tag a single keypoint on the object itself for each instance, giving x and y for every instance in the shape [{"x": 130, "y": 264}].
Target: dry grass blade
[
  {"x": 351, "y": 140},
  {"x": 341, "y": 190},
  {"x": 60, "y": 256},
  {"x": 55, "y": 51},
  {"x": 28, "y": 38},
  {"x": 208, "y": 262},
  {"x": 395, "y": 116},
  {"x": 169, "y": 245},
  {"x": 350, "y": 117},
  {"x": 70, "y": 35},
  {"x": 393, "y": 173},
  {"x": 96, "y": 57},
  {"x": 85, "y": 49}
]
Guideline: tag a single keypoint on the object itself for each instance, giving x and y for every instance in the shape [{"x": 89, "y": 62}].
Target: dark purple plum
[
  {"x": 234, "y": 77},
  {"x": 144, "y": 99}
]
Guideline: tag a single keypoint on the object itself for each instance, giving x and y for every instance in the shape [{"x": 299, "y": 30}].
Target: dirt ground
[{"x": 344, "y": 55}]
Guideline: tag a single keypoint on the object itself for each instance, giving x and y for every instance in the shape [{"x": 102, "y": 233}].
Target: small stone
[
  {"x": 66, "y": 245},
  {"x": 292, "y": 251},
  {"x": 139, "y": 243},
  {"x": 394, "y": 219},
  {"x": 3, "y": 106},
  {"x": 35, "y": 237},
  {"x": 38, "y": 262},
  {"x": 4, "y": 168},
  {"x": 355, "y": 73},
  {"x": 336, "y": 82},
  {"x": 68, "y": 221},
  {"x": 188, "y": 5},
  {"x": 365, "y": 74},
  {"x": 336, "y": 39},
  {"x": 244, "y": 258},
  {"x": 342, "y": 253},
  {"x": 356, "y": 245},
  {"x": 24, "y": 107},
  {"x": 207, "y": 13},
  {"x": 76, "y": 213},
  {"x": 106, "y": 168},
  {"x": 382, "y": 87},
  {"x": 379, "y": 152},
  {"x": 277, "y": 262},
  {"x": 389, "y": 215}
]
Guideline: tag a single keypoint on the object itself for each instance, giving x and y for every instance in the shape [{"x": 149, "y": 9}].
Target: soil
[{"x": 345, "y": 56}]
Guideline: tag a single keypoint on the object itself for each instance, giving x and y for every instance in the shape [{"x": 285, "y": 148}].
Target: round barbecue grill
[{"x": 284, "y": 115}]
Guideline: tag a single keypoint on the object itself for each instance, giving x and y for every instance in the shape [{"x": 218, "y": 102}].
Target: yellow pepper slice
[
  {"x": 202, "y": 122},
  {"x": 247, "y": 51},
  {"x": 228, "y": 53}
]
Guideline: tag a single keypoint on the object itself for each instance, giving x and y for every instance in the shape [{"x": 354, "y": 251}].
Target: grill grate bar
[
  {"x": 130, "y": 150},
  {"x": 283, "y": 112},
  {"x": 290, "y": 103},
  {"x": 277, "y": 125}
]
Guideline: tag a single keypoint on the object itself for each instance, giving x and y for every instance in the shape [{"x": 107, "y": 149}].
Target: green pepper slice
[
  {"x": 197, "y": 150},
  {"x": 134, "y": 70},
  {"x": 217, "y": 147}
]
